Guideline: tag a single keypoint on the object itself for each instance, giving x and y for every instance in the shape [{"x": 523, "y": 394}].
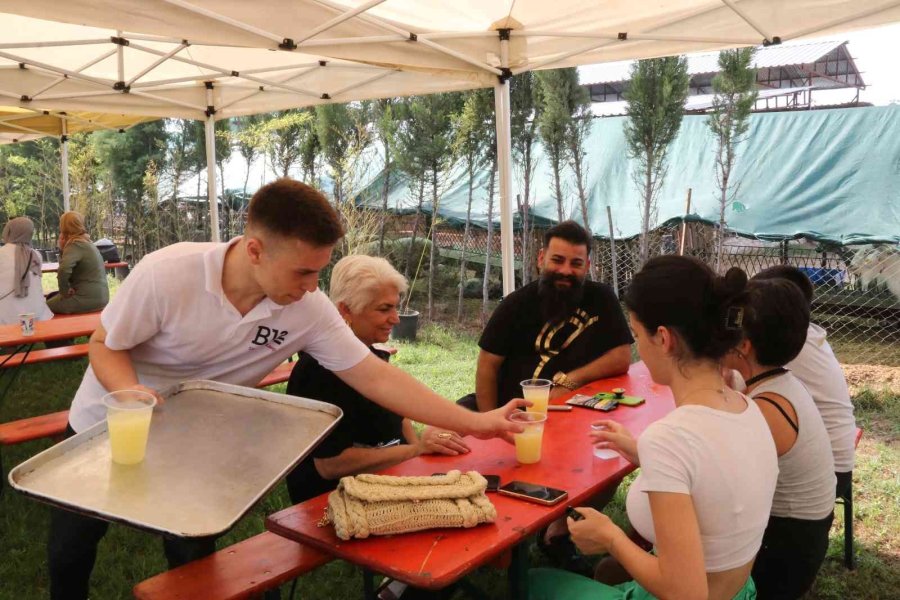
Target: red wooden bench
[
  {"x": 46, "y": 355},
  {"x": 242, "y": 570},
  {"x": 25, "y": 430},
  {"x": 847, "y": 501},
  {"x": 52, "y": 425}
]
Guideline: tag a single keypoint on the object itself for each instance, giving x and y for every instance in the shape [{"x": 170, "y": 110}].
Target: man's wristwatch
[{"x": 562, "y": 379}]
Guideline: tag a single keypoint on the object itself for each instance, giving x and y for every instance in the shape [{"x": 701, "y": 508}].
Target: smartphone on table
[{"x": 533, "y": 492}]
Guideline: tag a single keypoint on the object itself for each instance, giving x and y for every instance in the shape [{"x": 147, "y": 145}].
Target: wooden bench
[
  {"x": 242, "y": 570},
  {"x": 34, "y": 428},
  {"x": 279, "y": 374},
  {"x": 46, "y": 355},
  {"x": 52, "y": 425}
]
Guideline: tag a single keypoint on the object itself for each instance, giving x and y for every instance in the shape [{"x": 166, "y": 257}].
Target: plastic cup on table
[
  {"x": 528, "y": 443},
  {"x": 26, "y": 320},
  {"x": 604, "y": 453},
  {"x": 128, "y": 414},
  {"x": 537, "y": 391}
]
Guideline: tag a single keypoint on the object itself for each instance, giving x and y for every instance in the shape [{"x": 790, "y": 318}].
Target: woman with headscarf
[
  {"x": 82, "y": 275},
  {"x": 20, "y": 274}
]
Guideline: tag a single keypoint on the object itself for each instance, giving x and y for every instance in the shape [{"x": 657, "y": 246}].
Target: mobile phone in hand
[{"x": 574, "y": 514}]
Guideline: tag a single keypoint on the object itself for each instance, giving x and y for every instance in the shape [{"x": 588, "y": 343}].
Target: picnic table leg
[
  {"x": 368, "y": 585},
  {"x": 518, "y": 572},
  {"x": 15, "y": 368}
]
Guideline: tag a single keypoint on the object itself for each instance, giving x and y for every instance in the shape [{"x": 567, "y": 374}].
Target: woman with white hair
[
  {"x": 366, "y": 291},
  {"x": 20, "y": 274}
]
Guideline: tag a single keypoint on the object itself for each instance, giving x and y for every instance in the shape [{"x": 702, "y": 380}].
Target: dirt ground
[{"x": 874, "y": 377}]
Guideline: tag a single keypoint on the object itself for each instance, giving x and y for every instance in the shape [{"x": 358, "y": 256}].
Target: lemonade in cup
[
  {"x": 537, "y": 391},
  {"x": 528, "y": 443},
  {"x": 128, "y": 414}
]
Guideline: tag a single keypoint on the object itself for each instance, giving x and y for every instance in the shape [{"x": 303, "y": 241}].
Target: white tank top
[{"x": 806, "y": 478}]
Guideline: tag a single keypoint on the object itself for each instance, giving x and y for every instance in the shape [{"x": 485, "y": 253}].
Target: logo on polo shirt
[{"x": 267, "y": 336}]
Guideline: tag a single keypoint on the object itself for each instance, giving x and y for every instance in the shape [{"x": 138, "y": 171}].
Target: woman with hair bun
[
  {"x": 775, "y": 323},
  {"x": 82, "y": 274},
  {"x": 708, "y": 468}
]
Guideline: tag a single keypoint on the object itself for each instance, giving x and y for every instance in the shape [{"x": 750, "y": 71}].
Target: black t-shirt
[
  {"x": 533, "y": 348},
  {"x": 364, "y": 424}
]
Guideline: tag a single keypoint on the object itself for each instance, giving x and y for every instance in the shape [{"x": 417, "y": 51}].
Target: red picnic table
[
  {"x": 60, "y": 327},
  {"x": 435, "y": 559}
]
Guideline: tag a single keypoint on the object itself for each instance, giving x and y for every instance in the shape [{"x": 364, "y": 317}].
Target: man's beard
[{"x": 557, "y": 304}]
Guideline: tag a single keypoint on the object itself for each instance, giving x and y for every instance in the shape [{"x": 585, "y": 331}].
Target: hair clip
[{"x": 734, "y": 318}]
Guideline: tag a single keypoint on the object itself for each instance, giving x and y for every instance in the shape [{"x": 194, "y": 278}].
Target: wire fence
[{"x": 857, "y": 288}]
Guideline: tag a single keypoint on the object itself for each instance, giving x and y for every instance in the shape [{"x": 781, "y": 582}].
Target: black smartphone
[
  {"x": 533, "y": 492},
  {"x": 574, "y": 514}
]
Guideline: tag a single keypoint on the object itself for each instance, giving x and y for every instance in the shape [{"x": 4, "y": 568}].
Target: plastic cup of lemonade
[
  {"x": 528, "y": 443},
  {"x": 26, "y": 321},
  {"x": 537, "y": 391},
  {"x": 604, "y": 453},
  {"x": 128, "y": 414}
]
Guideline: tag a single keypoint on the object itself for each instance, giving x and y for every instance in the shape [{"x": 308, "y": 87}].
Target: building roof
[{"x": 816, "y": 65}]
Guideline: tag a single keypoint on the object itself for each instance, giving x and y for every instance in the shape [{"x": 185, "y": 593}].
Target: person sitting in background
[
  {"x": 366, "y": 291},
  {"x": 819, "y": 370},
  {"x": 775, "y": 322},
  {"x": 20, "y": 274},
  {"x": 81, "y": 275},
  {"x": 562, "y": 327},
  {"x": 707, "y": 469}
]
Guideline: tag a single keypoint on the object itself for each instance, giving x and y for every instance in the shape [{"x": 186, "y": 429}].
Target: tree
[
  {"x": 735, "y": 95},
  {"x": 655, "y": 98},
  {"x": 472, "y": 132},
  {"x": 129, "y": 156},
  {"x": 344, "y": 132},
  {"x": 410, "y": 162},
  {"x": 553, "y": 122},
  {"x": 579, "y": 126},
  {"x": 386, "y": 126},
  {"x": 524, "y": 118}
]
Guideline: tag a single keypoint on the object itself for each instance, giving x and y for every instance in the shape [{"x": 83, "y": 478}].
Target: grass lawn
[{"x": 445, "y": 359}]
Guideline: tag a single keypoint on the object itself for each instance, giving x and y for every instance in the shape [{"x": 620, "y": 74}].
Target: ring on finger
[{"x": 444, "y": 435}]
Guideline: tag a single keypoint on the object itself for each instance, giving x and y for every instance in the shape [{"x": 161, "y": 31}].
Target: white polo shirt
[{"x": 172, "y": 314}]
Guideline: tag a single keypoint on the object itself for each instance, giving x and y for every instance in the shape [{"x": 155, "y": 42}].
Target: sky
[{"x": 875, "y": 51}]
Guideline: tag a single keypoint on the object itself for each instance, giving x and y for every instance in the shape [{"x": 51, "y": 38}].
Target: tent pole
[
  {"x": 211, "y": 165},
  {"x": 504, "y": 163},
  {"x": 64, "y": 162}
]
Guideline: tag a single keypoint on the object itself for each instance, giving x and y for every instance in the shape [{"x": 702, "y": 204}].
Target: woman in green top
[{"x": 82, "y": 274}]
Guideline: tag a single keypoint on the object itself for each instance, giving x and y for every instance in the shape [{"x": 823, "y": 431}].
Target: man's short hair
[
  {"x": 792, "y": 274},
  {"x": 571, "y": 232},
  {"x": 291, "y": 209}
]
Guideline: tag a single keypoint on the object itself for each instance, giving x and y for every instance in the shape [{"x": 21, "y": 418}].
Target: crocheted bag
[{"x": 364, "y": 505}]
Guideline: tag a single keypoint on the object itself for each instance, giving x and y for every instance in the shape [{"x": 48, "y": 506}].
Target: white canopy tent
[
  {"x": 212, "y": 59},
  {"x": 24, "y": 125}
]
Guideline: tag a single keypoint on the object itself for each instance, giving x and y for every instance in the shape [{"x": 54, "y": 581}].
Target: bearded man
[{"x": 561, "y": 327}]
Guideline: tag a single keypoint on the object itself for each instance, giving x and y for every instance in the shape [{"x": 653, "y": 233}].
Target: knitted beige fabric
[{"x": 364, "y": 505}]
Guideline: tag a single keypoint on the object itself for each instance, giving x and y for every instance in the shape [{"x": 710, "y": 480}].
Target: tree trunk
[
  {"x": 645, "y": 217},
  {"x": 582, "y": 199},
  {"x": 431, "y": 258},
  {"x": 558, "y": 185},
  {"x": 384, "y": 198},
  {"x": 485, "y": 286},
  {"x": 412, "y": 241},
  {"x": 465, "y": 241},
  {"x": 527, "y": 259}
]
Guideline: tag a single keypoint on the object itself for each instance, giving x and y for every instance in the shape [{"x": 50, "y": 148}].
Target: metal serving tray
[{"x": 214, "y": 450}]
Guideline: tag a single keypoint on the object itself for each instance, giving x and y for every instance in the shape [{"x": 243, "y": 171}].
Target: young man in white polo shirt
[{"x": 231, "y": 312}]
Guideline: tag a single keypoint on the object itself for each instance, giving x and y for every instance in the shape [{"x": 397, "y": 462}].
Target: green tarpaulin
[{"x": 828, "y": 175}]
